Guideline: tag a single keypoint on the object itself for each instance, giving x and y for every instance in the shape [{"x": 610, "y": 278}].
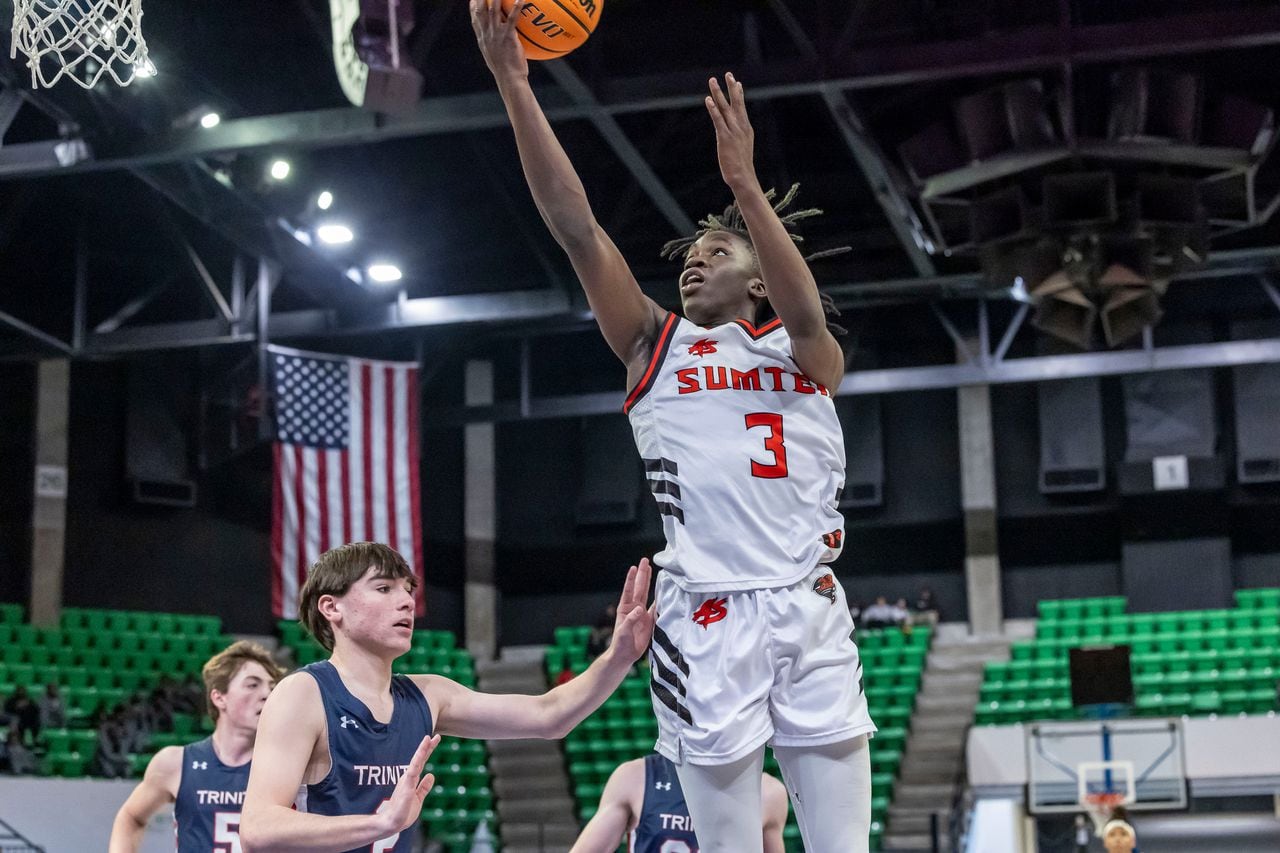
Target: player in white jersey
[{"x": 734, "y": 419}]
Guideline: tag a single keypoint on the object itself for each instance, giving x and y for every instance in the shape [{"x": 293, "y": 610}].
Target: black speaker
[
  {"x": 1072, "y": 446},
  {"x": 1100, "y": 675},
  {"x": 156, "y": 447},
  {"x": 1079, "y": 198},
  {"x": 609, "y": 486}
]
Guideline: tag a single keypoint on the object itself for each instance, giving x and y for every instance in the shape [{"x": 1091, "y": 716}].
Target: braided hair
[{"x": 731, "y": 222}]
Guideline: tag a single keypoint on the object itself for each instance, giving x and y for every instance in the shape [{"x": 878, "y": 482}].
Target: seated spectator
[
  {"x": 602, "y": 632},
  {"x": 53, "y": 713},
  {"x": 855, "y": 611},
  {"x": 927, "y": 606},
  {"x": 24, "y": 713},
  {"x": 18, "y": 758},
  {"x": 878, "y": 615},
  {"x": 111, "y": 758}
]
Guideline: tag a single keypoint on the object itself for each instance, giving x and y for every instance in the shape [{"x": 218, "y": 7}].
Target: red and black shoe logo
[
  {"x": 703, "y": 347},
  {"x": 826, "y": 587},
  {"x": 711, "y": 610}
]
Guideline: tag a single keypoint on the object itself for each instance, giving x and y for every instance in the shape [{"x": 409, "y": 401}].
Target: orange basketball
[{"x": 549, "y": 29}]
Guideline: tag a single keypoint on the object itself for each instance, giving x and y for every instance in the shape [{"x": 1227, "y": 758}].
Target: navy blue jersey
[
  {"x": 366, "y": 757},
  {"x": 664, "y": 825},
  {"x": 206, "y": 812}
]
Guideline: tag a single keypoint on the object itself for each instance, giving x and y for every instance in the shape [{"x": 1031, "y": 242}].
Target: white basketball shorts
[{"x": 735, "y": 670}]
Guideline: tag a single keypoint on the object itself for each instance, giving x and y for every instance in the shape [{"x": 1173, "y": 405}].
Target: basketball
[{"x": 549, "y": 29}]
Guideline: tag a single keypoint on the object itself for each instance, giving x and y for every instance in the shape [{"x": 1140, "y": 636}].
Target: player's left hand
[
  {"x": 735, "y": 138},
  {"x": 633, "y": 626}
]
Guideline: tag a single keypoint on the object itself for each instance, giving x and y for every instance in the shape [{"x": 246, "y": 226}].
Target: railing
[
  {"x": 961, "y": 808},
  {"x": 12, "y": 841}
]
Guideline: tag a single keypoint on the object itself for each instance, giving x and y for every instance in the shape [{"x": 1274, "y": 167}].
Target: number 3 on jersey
[{"x": 773, "y": 443}]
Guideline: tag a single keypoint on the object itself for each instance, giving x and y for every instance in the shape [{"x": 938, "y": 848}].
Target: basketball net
[
  {"x": 1101, "y": 807},
  {"x": 81, "y": 39}
]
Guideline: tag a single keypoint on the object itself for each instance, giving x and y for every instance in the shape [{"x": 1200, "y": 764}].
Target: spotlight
[
  {"x": 280, "y": 169},
  {"x": 210, "y": 120},
  {"x": 145, "y": 68},
  {"x": 384, "y": 273},
  {"x": 325, "y": 200},
  {"x": 334, "y": 234}
]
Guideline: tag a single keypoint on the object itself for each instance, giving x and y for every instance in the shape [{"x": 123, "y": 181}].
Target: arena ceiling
[{"x": 117, "y": 195}]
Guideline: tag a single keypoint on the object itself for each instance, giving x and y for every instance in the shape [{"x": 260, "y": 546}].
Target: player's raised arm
[
  {"x": 790, "y": 285},
  {"x": 469, "y": 713},
  {"x": 158, "y": 788},
  {"x": 628, "y": 319},
  {"x": 292, "y": 724},
  {"x": 617, "y": 812},
  {"x": 773, "y": 811}
]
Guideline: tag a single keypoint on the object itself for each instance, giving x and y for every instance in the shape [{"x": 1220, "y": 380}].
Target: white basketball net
[{"x": 81, "y": 39}]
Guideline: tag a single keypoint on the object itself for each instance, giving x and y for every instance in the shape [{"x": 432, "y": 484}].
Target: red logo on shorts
[
  {"x": 702, "y": 347},
  {"x": 826, "y": 587},
  {"x": 711, "y": 610},
  {"x": 832, "y": 539}
]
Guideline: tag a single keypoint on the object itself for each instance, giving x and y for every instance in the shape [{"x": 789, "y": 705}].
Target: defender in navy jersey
[
  {"x": 643, "y": 801},
  {"x": 358, "y": 737},
  {"x": 732, "y": 414},
  {"x": 206, "y": 780}
]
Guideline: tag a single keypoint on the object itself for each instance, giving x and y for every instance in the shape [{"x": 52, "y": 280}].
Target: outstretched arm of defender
[
  {"x": 792, "y": 291},
  {"x": 469, "y": 713},
  {"x": 158, "y": 788},
  {"x": 292, "y": 724},
  {"x": 617, "y": 812},
  {"x": 628, "y": 319}
]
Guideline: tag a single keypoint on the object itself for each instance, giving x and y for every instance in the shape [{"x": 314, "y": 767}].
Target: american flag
[{"x": 346, "y": 463}]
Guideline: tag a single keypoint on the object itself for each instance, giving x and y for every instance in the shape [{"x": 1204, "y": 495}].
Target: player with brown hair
[
  {"x": 206, "y": 780},
  {"x": 357, "y": 736}
]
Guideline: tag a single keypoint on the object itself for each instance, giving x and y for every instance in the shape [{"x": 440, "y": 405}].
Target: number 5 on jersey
[
  {"x": 773, "y": 443},
  {"x": 226, "y": 832}
]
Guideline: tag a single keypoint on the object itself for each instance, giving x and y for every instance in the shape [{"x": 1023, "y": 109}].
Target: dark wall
[
  {"x": 17, "y": 443},
  {"x": 215, "y": 557},
  {"x": 212, "y": 558}
]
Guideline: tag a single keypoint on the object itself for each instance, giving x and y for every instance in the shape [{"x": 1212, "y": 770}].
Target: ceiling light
[
  {"x": 145, "y": 68},
  {"x": 280, "y": 169},
  {"x": 325, "y": 200},
  {"x": 333, "y": 233},
  {"x": 210, "y": 120},
  {"x": 384, "y": 273}
]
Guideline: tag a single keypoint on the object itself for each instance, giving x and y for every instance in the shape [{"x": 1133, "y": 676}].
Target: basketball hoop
[
  {"x": 81, "y": 39},
  {"x": 1101, "y": 807}
]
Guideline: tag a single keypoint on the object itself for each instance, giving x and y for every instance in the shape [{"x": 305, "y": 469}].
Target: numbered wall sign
[
  {"x": 1170, "y": 472},
  {"x": 51, "y": 481}
]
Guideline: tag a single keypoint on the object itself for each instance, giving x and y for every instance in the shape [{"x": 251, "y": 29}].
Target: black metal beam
[
  {"x": 631, "y": 158},
  {"x": 554, "y": 311},
  {"x": 1027, "y": 49}
]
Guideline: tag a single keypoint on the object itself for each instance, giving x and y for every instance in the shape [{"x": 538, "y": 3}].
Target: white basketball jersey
[{"x": 743, "y": 454}]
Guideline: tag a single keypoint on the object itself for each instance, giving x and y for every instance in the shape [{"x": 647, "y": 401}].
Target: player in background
[
  {"x": 206, "y": 780},
  {"x": 643, "y": 801},
  {"x": 732, "y": 413},
  {"x": 358, "y": 737}
]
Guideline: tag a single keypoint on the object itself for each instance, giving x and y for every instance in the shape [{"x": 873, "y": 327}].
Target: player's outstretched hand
[
  {"x": 633, "y": 626},
  {"x": 405, "y": 806},
  {"x": 499, "y": 43},
  {"x": 735, "y": 138}
]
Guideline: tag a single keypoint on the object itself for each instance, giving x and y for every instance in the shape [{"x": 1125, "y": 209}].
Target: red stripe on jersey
[
  {"x": 659, "y": 353},
  {"x": 768, "y": 327}
]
